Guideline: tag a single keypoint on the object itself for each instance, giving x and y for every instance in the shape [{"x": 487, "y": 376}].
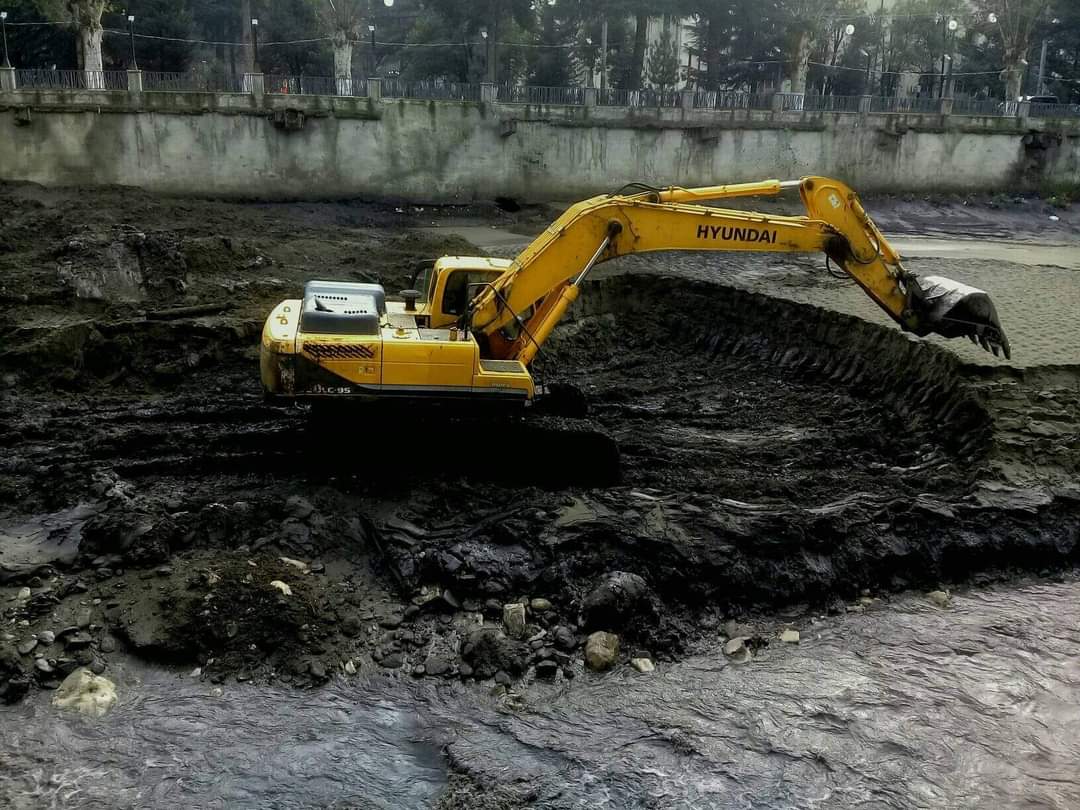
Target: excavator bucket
[{"x": 952, "y": 309}]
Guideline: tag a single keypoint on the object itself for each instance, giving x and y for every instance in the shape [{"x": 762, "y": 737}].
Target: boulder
[
  {"x": 620, "y": 601},
  {"x": 84, "y": 692},
  {"x": 790, "y": 636},
  {"x": 488, "y": 650},
  {"x": 736, "y": 650},
  {"x": 642, "y": 664},
  {"x": 940, "y": 599},
  {"x": 514, "y": 619},
  {"x": 601, "y": 650}
]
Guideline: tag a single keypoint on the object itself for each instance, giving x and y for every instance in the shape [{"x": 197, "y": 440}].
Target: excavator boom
[{"x": 473, "y": 329}]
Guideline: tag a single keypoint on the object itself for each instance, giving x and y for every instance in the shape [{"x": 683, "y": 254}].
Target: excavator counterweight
[{"x": 473, "y": 326}]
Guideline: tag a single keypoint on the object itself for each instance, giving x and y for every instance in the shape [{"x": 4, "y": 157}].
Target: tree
[
  {"x": 663, "y": 66},
  {"x": 1016, "y": 20},
  {"x": 342, "y": 19},
  {"x": 85, "y": 15}
]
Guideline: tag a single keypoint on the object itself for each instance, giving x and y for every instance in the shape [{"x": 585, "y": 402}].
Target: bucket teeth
[{"x": 952, "y": 309}]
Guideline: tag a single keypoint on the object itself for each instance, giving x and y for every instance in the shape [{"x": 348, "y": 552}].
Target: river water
[{"x": 905, "y": 705}]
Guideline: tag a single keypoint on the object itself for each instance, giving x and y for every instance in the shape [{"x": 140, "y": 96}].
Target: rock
[
  {"x": 450, "y": 600},
  {"x": 547, "y": 670},
  {"x": 619, "y": 601},
  {"x": 392, "y": 661},
  {"x": 78, "y": 641},
  {"x": 503, "y": 678},
  {"x": 351, "y": 625},
  {"x": 390, "y": 622},
  {"x": 82, "y": 619},
  {"x": 27, "y": 647},
  {"x": 84, "y": 692},
  {"x": 642, "y": 664},
  {"x": 465, "y": 671},
  {"x": 297, "y": 507},
  {"x": 317, "y": 669},
  {"x": 43, "y": 666},
  {"x": 601, "y": 650},
  {"x": 281, "y": 586},
  {"x": 299, "y": 565},
  {"x": 790, "y": 636},
  {"x": 46, "y": 637},
  {"x": 317, "y": 567},
  {"x": 736, "y": 650},
  {"x": 350, "y": 668},
  {"x": 436, "y": 665},
  {"x": 97, "y": 666},
  {"x": 22, "y": 595},
  {"x": 164, "y": 570},
  {"x": 514, "y": 619},
  {"x": 488, "y": 650},
  {"x": 939, "y": 598},
  {"x": 564, "y": 638},
  {"x": 418, "y": 671},
  {"x": 540, "y": 605}
]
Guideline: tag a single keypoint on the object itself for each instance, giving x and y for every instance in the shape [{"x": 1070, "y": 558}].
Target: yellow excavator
[{"x": 473, "y": 325}]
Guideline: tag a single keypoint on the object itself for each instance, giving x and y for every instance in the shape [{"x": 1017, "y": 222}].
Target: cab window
[{"x": 456, "y": 291}]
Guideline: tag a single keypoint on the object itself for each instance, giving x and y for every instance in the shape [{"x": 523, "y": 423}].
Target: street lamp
[
  {"x": 131, "y": 34},
  {"x": 3, "y": 24},
  {"x": 388, "y": 3},
  {"x": 992, "y": 18},
  {"x": 255, "y": 43},
  {"x": 849, "y": 29}
]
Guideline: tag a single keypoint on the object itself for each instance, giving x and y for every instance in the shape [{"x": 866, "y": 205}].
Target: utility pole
[
  {"x": 131, "y": 34},
  {"x": 3, "y": 23},
  {"x": 1042, "y": 70},
  {"x": 603, "y": 54}
]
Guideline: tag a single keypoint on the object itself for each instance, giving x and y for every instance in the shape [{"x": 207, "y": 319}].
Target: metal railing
[
  {"x": 647, "y": 97},
  {"x": 529, "y": 94},
  {"x": 40, "y": 79},
  {"x": 155, "y": 81},
  {"x": 732, "y": 100},
  {"x": 833, "y": 104},
  {"x": 436, "y": 91},
  {"x": 1039, "y": 110},
  {"x": 393, "y": 88},
  {"x": 979, "y": 106},
  {"x": 315, "y": 85},
  {"x": 905, "y": 104}
]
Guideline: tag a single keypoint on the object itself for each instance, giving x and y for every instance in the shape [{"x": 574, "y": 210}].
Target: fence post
[
  {"x": 946, "y": 106},
  {"x": 1023, "y": 110},
  {"x": 374, "y": 89},
  {"x": 778, "y": 102},
  {"x": 255, "y": 84},
  {"x": 135, "y": 84},
  {"x": 590, "y": 96},
  {"x": 7, "y": 79},
  {"x": 489, "y": 92},
  {"x": 687, "y": 100},
  {"x": 865, "y": 105}
]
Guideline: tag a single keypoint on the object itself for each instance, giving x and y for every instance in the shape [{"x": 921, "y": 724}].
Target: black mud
[{"x": 741, "y": 453}]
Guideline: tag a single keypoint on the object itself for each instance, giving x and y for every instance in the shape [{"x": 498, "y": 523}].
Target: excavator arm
[{"x": 518, "y": 311}]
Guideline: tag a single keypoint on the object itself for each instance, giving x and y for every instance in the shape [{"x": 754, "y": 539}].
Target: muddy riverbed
[{"x": 750, "y": 463}]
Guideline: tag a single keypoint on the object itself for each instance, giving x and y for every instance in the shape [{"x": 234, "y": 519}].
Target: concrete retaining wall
[{"x": 305, "y": 147}]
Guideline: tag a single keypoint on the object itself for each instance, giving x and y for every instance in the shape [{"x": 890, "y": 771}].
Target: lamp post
[
  {"x": 1042, "y": 62},
  {"x": 3, "y": 24},
  {"x": 131, "y": 35},
  {"x": 255, "y": 44},
  {"x": 950, "y": 26}
]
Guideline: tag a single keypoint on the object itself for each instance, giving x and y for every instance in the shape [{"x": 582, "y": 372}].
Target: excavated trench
[{"x": 742, "y": 453}]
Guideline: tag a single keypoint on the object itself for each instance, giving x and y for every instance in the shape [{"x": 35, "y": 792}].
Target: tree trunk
[
  {"x": 637, "y": 63},
  {"x": 800, "y": 64},
  {"x": 90, "y": 49},
  {"x": 1014, "y": 79},
  {"x": 247, "y": 52},
  {"x": 713, "y": 48},
  {"x": 343, "y": 51}
]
